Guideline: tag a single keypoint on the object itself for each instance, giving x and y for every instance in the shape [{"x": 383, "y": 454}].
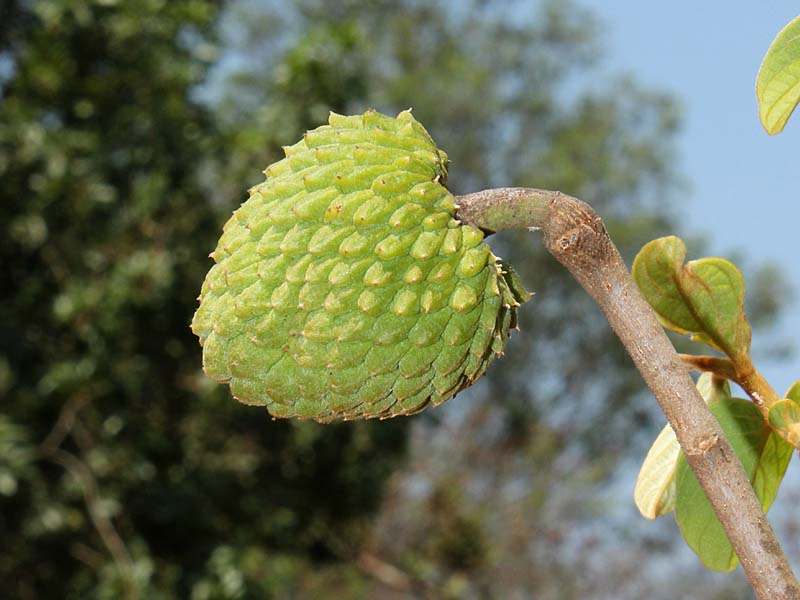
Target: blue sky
[{"x": 744, "y": 185}]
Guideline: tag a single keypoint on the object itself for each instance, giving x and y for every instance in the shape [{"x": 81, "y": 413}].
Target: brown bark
[{"x": 576, "y": 236}]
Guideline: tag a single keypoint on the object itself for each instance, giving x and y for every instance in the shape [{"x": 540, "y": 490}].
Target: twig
[
  {"x": 50, "y": 449},
  {"x": 112, "y": 540},
  {"x": 64, "y": 423},
  {"x": 721, "y": 367},
  {"x": 387, "y": 574},
  {"x": 576, "y": 236},
  {"x": 746, "y": 377}
]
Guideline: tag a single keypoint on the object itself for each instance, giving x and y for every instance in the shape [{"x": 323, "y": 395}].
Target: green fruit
[{"x": 344, "y": 287}]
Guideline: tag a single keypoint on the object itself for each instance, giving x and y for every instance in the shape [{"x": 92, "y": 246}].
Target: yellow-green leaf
[
  {"x": 703, "y": 297},
  {"x": 793, "y": 392},
  {"x": 654, "y": 493},
  {"x": 778, "y": 81},
  {"x": 784, "y": 415}
]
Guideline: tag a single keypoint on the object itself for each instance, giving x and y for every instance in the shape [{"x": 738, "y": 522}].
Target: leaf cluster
[{"x": 705, "y": 299}]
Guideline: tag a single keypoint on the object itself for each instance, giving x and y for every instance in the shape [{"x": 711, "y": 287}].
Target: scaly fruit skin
[{"x": 345, "y": 288}]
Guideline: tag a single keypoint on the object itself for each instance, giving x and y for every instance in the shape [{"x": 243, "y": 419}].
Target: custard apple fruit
[{"x": 344, "y": 287}]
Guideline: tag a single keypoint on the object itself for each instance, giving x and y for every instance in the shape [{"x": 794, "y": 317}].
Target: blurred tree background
[{"x": 129, "y": 130}]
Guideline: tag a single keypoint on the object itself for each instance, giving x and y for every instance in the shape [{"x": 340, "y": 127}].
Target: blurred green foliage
[
  {"x": 128, "y": 132},
  {"x": 128, "y": 472}
]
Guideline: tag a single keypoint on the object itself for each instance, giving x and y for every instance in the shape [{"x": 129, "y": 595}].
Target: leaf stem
[
  {"x": 576, "y": 236},
  {"x": 722, "y": 367},
  {"x": 745, "y": 376},
  {"x": 758, "y": 388}
]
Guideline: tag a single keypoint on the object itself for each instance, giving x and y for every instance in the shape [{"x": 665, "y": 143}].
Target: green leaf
[
  {"x": 772, "y": 467},
  {"x": 764, "y": 455},
  {"x": 654, "y": 493},
  {"x": 703, "y": 297},
  {"x": 793, "y": 393},
  {"x": 784, "y": 415},
  {"x": 778, "y": 81}
]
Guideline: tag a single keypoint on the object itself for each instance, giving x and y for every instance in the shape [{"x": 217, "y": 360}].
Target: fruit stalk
[{"x": 576, "y": 236}]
